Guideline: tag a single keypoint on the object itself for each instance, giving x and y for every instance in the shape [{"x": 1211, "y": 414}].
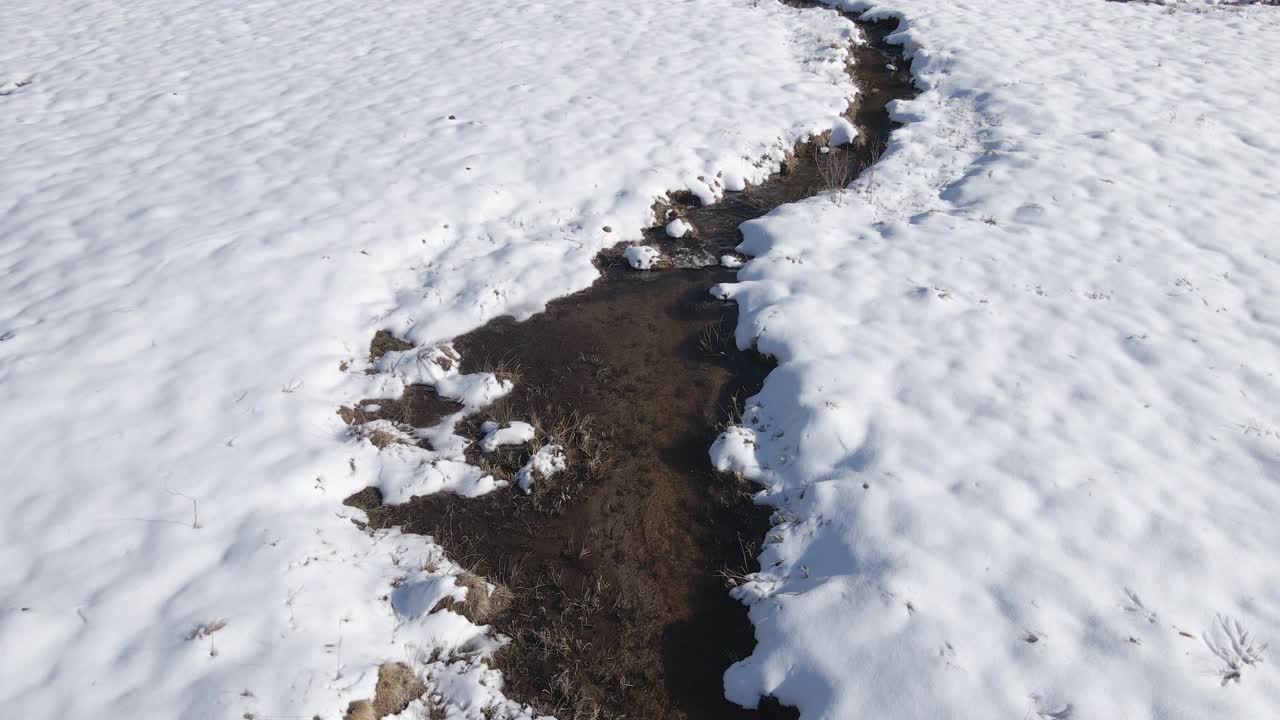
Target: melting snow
[
  {"x": 1029, "y": 371},
  {"x": 548, "y": 461},
  {"x": 209, "y": 207},
  {"x": 678, "y": 228},
  {"x": 641, "y": 257}
]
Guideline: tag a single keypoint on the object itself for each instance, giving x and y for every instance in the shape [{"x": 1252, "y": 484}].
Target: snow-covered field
[
  {"x": 207, "y": 206},
  {"x": 1024, "y": 439}
]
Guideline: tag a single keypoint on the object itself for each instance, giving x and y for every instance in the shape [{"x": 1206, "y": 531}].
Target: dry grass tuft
[
  {"x": 550, "y": 631},
  {"x": 360, "y": 710},
  {"x": 381, "y": 439},
  {"x": 729, "y": 490},
  {"x": 206, "y": 629},
  {"x": 384, "y": 342},
  {"x": 717, "y": 339},
  {"x": 834, "y": 167},
  {"x": 397, "y": 687},
  {"x": 611, "y": 255},
  {"x": 482, "y": 603},
  {"x": 662, "y": 213},
  {"x": 506, "y": 368},
  {"x": 588, "y": 451},
  {"x": 790, "y": 163}
]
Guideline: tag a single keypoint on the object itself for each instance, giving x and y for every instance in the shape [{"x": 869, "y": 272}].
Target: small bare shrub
[
  {"x": 206, "y": 629},
  {"x": 833, "y": 167},
  {"x": 1235, "y": 646}
]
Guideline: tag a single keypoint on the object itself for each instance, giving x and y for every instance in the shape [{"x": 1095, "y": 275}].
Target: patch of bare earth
[
  {"x": 612, "y": 566},
  {"x": 612, "y": 575}
]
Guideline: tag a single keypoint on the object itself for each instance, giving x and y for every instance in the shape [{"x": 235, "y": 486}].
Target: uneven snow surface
[
  {"x": 1024, "y": 437},
  {"x": 1023, "y": 440},
  {"x": 207, "y": 206}
]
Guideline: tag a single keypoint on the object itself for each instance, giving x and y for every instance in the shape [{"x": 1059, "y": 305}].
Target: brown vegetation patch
[
  {"x": 485, "y": 600},
  {"x": 613, "y": 566},
  {"x": 397, "y": 687},
  {"x": 617, "y": 569},
  {"x": 204, "y": 630},
  {"x": 420, "y": 406},
  {"x": 384, "y": 342}
]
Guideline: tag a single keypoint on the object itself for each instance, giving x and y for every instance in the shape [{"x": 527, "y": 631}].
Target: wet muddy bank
[
  {"x": 617, "y": 569},
  {"x": 614, "y": 564}
]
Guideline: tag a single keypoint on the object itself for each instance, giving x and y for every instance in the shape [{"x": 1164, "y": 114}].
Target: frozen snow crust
[
  {"x": 207, "y": 208},
  {"x": 1024, "y": 437}
]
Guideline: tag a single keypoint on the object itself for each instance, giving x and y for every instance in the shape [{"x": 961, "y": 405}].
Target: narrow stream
[{"x": 617, "y": 567}]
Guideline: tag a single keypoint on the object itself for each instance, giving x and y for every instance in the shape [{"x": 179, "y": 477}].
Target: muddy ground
[{"x": 618, "y": 569}]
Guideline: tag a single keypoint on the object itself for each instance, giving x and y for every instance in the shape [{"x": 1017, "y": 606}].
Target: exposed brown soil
[
  {"x": 616, "y": 569},
  {"x": 613, "y": 566},
  {"x": 419, "y": 406},
  {"x": 384, "y": 342}
]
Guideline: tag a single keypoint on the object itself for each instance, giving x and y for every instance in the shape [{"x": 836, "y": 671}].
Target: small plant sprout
[
  {"x": 195, "y": 508},
  {"x": 337, "y": 648}
]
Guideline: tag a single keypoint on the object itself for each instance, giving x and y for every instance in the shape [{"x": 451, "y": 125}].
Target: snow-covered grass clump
[
  {"x": 641, "y": 257},
  {"x": 515, "y": 433},
  {"x": 1023, "y": 439},
  {"x": 678, "y": 228},
  {"x": 548, "y": 461}
]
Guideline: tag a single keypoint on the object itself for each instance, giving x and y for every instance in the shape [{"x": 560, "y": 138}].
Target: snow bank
[
  {"x": 1023, "y": 439},
  {"x": 209, "y": 207}
]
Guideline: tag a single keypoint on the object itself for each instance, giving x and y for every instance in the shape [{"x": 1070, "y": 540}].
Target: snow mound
[
  {"x": 515, "y": 433},
  {"x": 548, "y": 461},
  {"x": 842, "y": 133},
  {"x": 678, "y": 228},
  {"x": 641, "y": 257}
]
